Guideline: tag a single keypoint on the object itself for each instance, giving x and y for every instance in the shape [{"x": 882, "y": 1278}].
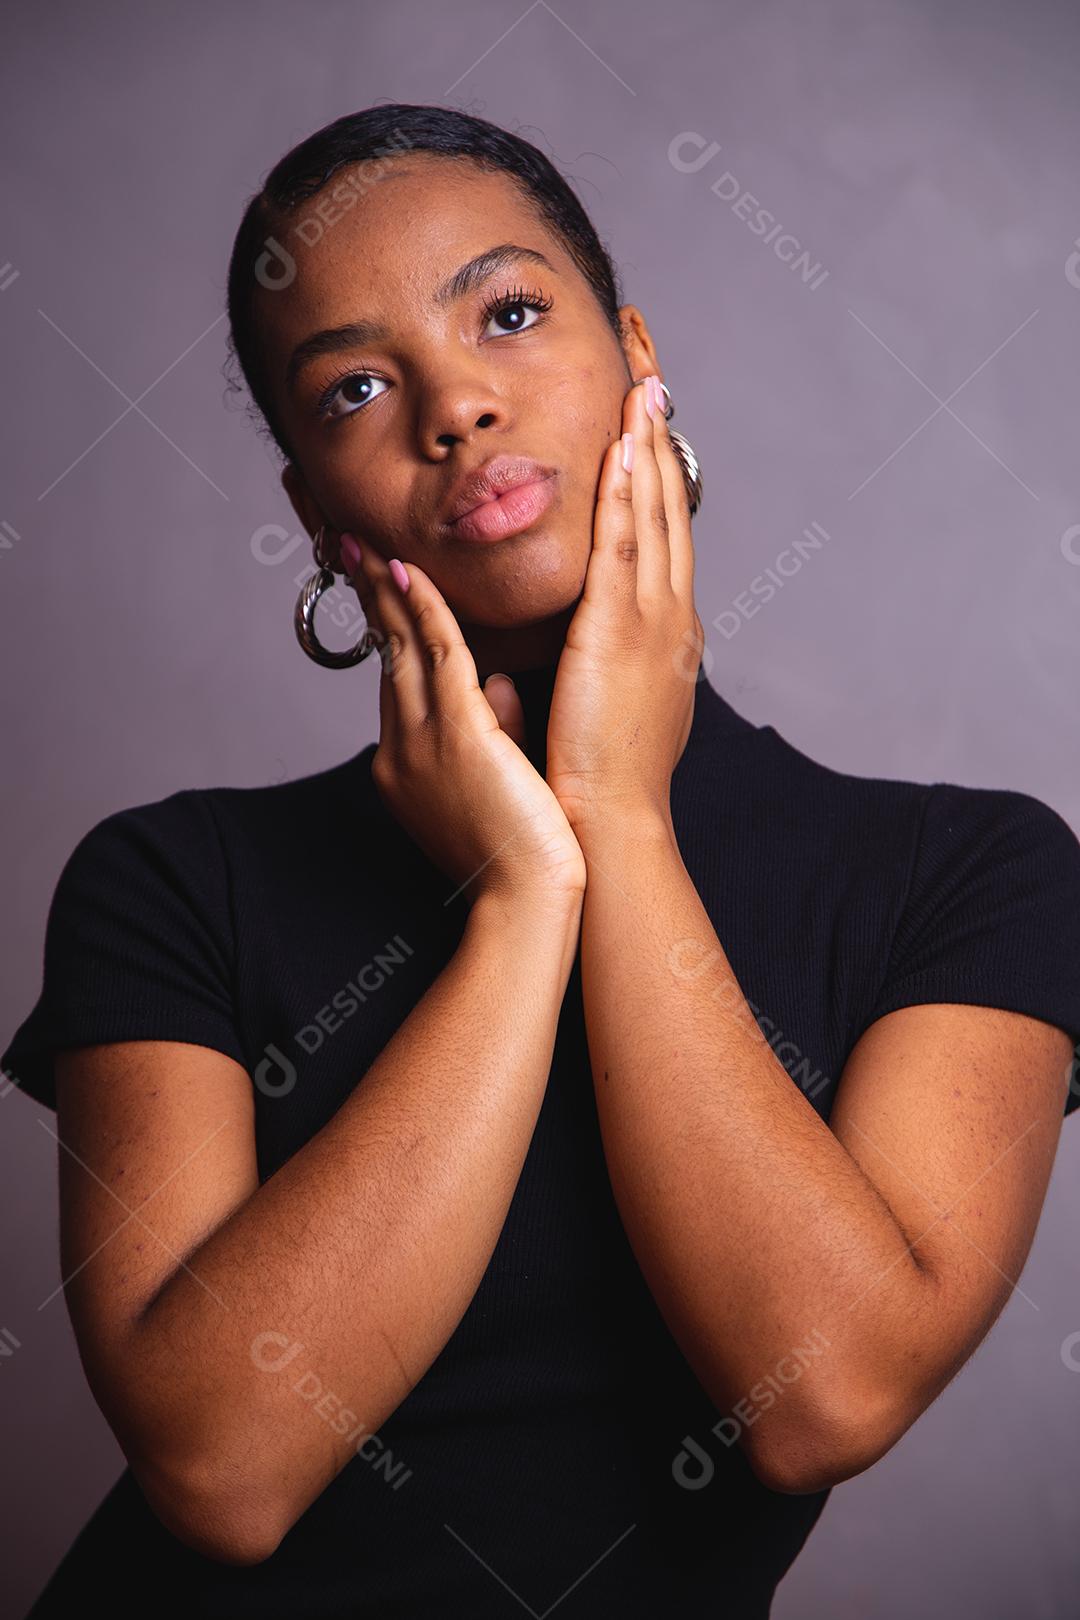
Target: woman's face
[{"x": 382, "y": 428}]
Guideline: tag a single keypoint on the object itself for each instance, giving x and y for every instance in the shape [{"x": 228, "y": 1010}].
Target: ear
[
  {"x": 306, "y": 507},
  {"x": 638, "y": 346}
]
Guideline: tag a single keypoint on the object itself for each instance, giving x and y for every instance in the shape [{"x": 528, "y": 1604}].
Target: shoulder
[
  {"x": 957, "y": 870},
  {"x": 199, "y": 829},
  {"x": 937, "y": 820},
  {"x": 1002, "y": 863},
  {"x": 182, "y": 865},
  {"x": 144, "y": 929},
  {"x": 977, "y": 888}
]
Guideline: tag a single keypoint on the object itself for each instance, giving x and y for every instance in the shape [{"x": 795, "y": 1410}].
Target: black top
[{"x": 554, "y": 1452}]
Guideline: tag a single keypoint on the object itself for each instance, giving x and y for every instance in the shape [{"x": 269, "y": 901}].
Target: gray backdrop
[{"x": 894, "y": 371}]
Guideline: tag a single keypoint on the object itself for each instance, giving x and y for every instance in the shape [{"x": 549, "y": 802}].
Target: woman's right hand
[{"x": 445, "y": 768}]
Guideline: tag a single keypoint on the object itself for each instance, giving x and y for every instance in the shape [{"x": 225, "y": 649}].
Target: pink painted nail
[
  {"x": 401, "y": 578},
  {"x": 627, "y": 451},
  {"x": 650, "y": 395}
]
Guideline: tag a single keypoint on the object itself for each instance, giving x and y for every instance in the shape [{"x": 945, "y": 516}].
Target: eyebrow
[{"x": 355, "y": 334}]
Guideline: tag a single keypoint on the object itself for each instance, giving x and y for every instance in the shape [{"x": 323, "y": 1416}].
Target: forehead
[{"x": 381, "y": 236}]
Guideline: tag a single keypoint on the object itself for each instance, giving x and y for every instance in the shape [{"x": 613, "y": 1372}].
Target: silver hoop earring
[
  {"x": 304, "y": 616},
  {"x": 688, "y": 461}
]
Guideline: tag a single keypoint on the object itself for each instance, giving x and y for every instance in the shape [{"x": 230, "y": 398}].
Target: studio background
[{"x": 885, "y": 414}]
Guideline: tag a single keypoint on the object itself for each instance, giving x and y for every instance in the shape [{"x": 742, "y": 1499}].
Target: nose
[{"x": 455, "y": 412}]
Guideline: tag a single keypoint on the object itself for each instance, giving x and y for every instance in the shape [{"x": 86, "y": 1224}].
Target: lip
[
  {"x": 509, "y": 513},
  {"x": 493, "y": 477}
]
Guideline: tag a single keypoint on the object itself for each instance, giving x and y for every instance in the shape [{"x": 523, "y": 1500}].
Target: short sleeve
[
  {"x": 992, "y": 913},
  {"x": 138, "y": 942}
]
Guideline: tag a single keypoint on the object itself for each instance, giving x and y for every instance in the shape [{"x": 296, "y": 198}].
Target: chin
[{"x": 524, "y": 579}]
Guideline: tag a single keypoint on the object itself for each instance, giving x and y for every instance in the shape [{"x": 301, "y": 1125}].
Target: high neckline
[
  {"x": 536, "y": 687},
  {"x": 713, "y": 717}
]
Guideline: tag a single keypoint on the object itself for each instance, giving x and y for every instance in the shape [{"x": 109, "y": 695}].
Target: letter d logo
[
  {"x": 692, "y": 1481},
  {"x": 701, "y": 151},
  {"x": 270, "y": 555},
  {"x": 275, "y": 1059},
  {"x": 275, "y": 268}
]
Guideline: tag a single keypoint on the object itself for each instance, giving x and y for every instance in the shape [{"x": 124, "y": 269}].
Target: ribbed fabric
[{"x": 550, "y": 1454}]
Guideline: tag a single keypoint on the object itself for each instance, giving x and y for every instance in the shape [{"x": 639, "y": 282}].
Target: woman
[{"x": 627, "y": 1125}]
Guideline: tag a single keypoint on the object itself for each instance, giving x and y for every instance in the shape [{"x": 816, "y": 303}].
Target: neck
[
  {"x": 530, "y": 654},
  {"x": 527, "y": 647}
]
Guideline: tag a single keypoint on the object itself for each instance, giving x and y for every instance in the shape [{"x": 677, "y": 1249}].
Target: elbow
[
  {"x": 800, "y": 1470},
  {"x": 811, "y": 1453},
  {"x": 229, "y": 1524},
  {"x": 229, "y": 1529}
]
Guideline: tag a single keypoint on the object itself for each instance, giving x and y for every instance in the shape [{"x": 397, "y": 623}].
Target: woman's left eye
[{"x": 514, "y": 303}]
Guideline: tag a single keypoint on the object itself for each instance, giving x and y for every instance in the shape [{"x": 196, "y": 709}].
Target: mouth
[{"x": 503, "y": 495}]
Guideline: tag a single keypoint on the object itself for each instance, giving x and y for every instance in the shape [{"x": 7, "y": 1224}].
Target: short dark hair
[{"x": 379, "y": 132}]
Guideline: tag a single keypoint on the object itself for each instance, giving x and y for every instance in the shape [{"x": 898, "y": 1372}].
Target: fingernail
[
  {"x": 397, "y": 569},
  {"x": 351, "y": 553},
  {"x": 650, "y": 395},
  {"x": 627, "y": 451}
]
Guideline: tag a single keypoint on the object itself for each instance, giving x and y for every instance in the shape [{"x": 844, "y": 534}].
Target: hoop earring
[
  {"x": 688, "y": 461},
  {"x": 304, "y": 616}
]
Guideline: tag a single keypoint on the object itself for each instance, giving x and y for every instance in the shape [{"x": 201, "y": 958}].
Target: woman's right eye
[{"x": 344, "y": 391}]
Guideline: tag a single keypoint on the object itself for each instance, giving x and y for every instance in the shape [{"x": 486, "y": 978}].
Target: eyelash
[
  {"x": 519, "y": 295},
  {"x": 494, "y": 305}
]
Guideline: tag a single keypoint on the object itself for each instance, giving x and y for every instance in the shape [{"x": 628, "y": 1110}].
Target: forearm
[
  {"x": 353, "y": 1264},
  {"x": 755, "y": 1228}
]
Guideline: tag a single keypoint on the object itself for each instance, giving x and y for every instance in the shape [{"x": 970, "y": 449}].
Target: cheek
[
  {"x": 376, "y": 510},
  {"x": 589, "y": 412}
]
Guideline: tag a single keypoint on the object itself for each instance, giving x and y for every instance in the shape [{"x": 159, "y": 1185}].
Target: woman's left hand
[{"x": 624, "y": 691}]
